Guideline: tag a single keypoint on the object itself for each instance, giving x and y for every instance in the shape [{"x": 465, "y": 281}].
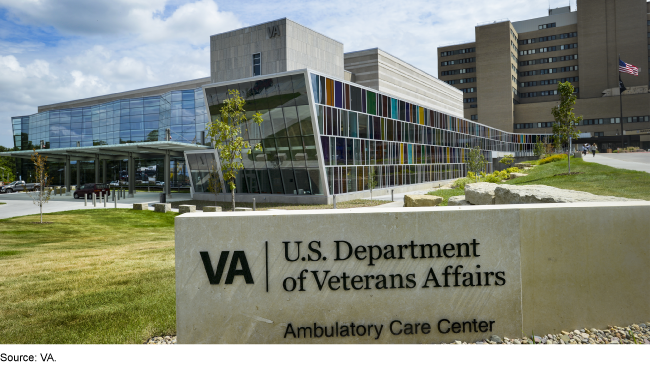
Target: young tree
[
  {"x": 565, "y": 124},
  {"x": 214, "y": 183},
  {"x": 372, "y": 180},
  {"x": 475, "y": 161},
  {"x": 226, "y": 133},
  {"x": 507, "y": 160},
  {"x": 539, "y": 148},
  {"x": 42, "y": 193}
]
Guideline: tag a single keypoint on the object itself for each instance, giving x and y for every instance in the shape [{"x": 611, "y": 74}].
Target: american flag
[{"x": 627, "y": 68}]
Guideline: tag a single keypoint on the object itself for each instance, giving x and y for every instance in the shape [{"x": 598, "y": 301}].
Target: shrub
[
  {"x": 460, "y": 183},
  {"x": 507, "y": 160},
  {"x": 552, "y": 159},
  {"x": 514, "y": 169}
]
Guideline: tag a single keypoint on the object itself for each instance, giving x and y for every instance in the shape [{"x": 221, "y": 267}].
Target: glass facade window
[
  {"x": 355, "y": 133},
  {"x": 257, "y": 64}
]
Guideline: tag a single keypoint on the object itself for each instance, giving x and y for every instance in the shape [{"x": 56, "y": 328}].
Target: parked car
[
  {"x": 88, "y": 189},
  {"x": 115, "y": 183},
  {"x": 19, "y": 186},
  {"x": 159, "y": 183}
]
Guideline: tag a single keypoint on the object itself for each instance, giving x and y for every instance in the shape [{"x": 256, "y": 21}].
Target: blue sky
[{"x": 58, "y": 50}]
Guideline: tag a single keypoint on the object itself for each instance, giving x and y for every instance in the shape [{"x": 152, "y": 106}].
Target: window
[
  {"x": 457, "y": 52},
  {"x": 544, "y": 26},
  {"x": 469, "y": 100},
  {"x": 456, "y": 62},
  {"x": 599, "y": 134},
  {"x": 257, "y": 64},
  {"x": 460, "y": 71},
  {"x": 473, "y": 106},
  {"x": 468, "y": 90},
  {"x": 474, "y": 117}
]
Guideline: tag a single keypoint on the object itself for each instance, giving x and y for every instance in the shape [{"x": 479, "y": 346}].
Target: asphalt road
[{"x": 631, "y": 161}]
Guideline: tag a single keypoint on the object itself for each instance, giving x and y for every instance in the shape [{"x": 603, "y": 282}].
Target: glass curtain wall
[
  {"x": 287, "y": 162},
  {"x": 116, "y": 122},
  {"x": 366, "y": 135}
]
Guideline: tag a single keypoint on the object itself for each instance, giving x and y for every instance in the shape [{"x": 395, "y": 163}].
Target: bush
[
  {"x": 552, "y": 159},
  {"x": 460, "y": 183},
  {"x": 514, "y": 169}
]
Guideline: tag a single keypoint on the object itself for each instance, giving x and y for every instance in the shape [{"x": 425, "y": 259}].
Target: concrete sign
[{"x": 347, "y": 276}]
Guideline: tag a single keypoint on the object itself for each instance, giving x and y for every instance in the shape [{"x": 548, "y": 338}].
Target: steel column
[
  {"x": 67, "y": 173},
  {"x": 166, "y": 171},
  {"x": 96, "y": 163},
  {"x": 131, "y": 172},
  {"x": 104, "y": 171}
]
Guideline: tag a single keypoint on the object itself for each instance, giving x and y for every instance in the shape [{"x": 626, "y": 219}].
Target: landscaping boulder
[
  {"x": 211, "y": 208},
  {"x": 517, "y": 175},
  {"x": 523, "y": 165},
  {"x": 162, "y": 207},
  {"x": 243, "y": 209},
  {"x": 510, "y": 194},
  {"x": 480, "y": 193},
  {"x": 458, "y": 201},
  {"x": 186, "y": 208},
  {"x": 421, "y": 200},
  {"x": 141, "y": 206}
]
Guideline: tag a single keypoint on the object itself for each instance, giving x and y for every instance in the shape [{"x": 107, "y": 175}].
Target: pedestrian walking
[{"x": 593, "y": 149}]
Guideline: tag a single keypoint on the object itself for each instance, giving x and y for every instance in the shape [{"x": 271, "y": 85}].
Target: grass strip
[
  {"x": 92, "y": 276},
  {"x": 446, "y": 193},
  {"x": 263, "y": 206}
]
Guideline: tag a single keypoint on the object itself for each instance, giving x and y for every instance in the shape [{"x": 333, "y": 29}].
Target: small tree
[
  {"x": 226, "y": 133},
  {"x": 475, "y": 161},
  {"x": 42, "y": 195},
  {"x": 565, "y": 124},
  {"x": 372, "y": 179},
  {"x": 214, "y": 183},
  {"x": 539, "y": 148},
  {"x": 507, "y": 160}
]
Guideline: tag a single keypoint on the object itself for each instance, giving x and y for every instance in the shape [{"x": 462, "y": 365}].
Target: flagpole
[{"x": 620, "y": 98}]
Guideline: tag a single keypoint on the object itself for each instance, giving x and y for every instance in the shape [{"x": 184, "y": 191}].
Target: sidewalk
[
  {"x": 21, "y": 204},
  {"x": 399, "y": 197},
  {"x": 631, "y": 161}
]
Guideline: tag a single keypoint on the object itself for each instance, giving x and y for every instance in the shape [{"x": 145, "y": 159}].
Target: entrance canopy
[{"x": 145, "y": 150}]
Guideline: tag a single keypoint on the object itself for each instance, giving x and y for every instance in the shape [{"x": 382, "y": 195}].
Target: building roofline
[
  {"x": 271, "y": 21},
  {"x": 391, "y": 55}
]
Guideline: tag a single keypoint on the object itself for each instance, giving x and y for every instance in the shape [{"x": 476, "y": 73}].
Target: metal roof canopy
[{"x": 145, "y": 150}]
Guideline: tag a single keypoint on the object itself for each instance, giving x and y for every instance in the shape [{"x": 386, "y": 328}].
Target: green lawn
[
  {"x": 446, "y": 193},
  {"x": 95, "y": 276},
  {"x": 594, "y": 178}
]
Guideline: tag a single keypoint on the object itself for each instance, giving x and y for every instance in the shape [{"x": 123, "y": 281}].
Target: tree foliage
[
  {"x": 7, "y": 166},
  {"x": 475, "y": 161},
  {"x": 42, "y": 195},
  {"x": 226, "y": 132},
  {"x": 507, "y": 160},
  {"x": 214, "y": 182},
  {"x": 565, "y": 120},
  {"x": 372, "y": 180}
]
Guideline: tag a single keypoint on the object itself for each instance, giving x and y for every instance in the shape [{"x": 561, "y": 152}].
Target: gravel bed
[
  {"x": 634, "y": 334},
  {"x": 161, "y": 340}
]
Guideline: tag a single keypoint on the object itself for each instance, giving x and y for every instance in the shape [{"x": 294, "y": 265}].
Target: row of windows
[
  {"x": 547, "y": 82},
  {"x": 548, "y": 25},
  {"x": 469, "y": 100},
  {"x": 548, "y": 71},
  {"x": 543, "y": 93},
  {"x": 549, "y": 49},
  {"x": 512, "y": 33},
  {"x": 514, "y": 79},
  {"x": 548, "y": 60},
  {"x": 586, "y": 122},
  {"x": 457, "y": 52},
  {"x": 548, "y": 38},
  {"x": 461, "y": 81},
  {"x": 459, "y": 71},
  {"x": 512, "y": 44},
  {"x": 460, "y": 61},
  {"x": 514, "y": 58},
  {"x": 474, "y": 117},
  {"x": 514, "y": 68},
  {"x": 468, "y": 90}
]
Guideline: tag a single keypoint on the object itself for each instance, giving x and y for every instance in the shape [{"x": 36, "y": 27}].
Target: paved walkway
[
  {"x": 399, "y": 197},
  {"x": 21, "y": 204},
  {"x": 631, "y": 161}
]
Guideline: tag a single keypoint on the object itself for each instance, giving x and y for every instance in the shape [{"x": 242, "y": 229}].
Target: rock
[
  {"x": 496, "y": 339},
  {"x": 576, "y": 332},
  {"x": 565, "y": 338},
  {"x": 517, "y": 175},
  {"x": 523, "y": 165},
  {"x": 162, "y": 207},
  {"x": 141, "y": 206},
  {"x": 243, "y": 209},
  {"x": 565, "y": 332},
  {"x": 211, "y": 208},
  {"x": 538, "y": 339},
  {"x": 421, "y": 200},
  {"x": 549, "y": 342},
  {"x": 584, "y": 335},
  {"x": 186, "y": 208},
  {"x": 480, "y": 193},
  {"x": 516, "y": 341},
  {"x": 509, "y": 194},
  {"x": 458, "y": 201}
]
